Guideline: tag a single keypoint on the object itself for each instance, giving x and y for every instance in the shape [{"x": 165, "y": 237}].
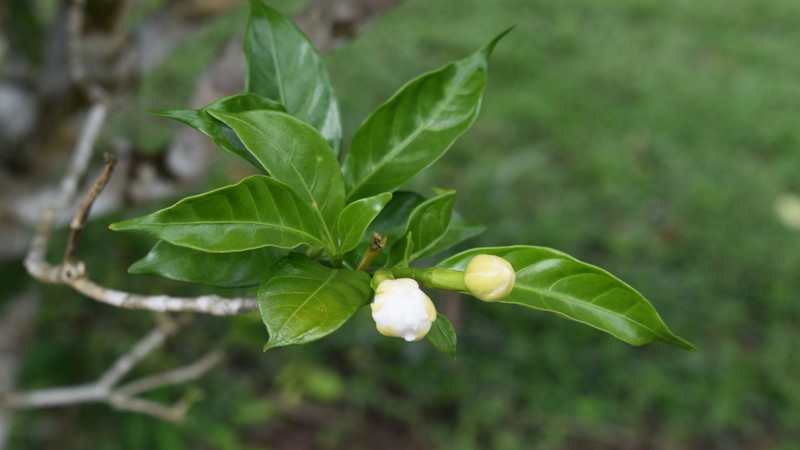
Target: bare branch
[
  {"x": 79, "y": 221},
  {"x": 104, "y": 390}
]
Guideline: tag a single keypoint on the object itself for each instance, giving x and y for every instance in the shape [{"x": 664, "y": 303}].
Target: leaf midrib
[
  {"x": 308, "y": 299},
  {"x": 316, "y": 211},
  {"x": 571, "y": 300},
  {"x": 407, "y": 141}
]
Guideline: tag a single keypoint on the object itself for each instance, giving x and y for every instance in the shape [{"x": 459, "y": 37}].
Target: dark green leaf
[
  {"x": 301, "y": 300},
  {"x": 216, "y": 269},
  {"x": 283, "y": 65},
  {"x": 553, "y": 281},
  {"x": 400, "y": 252},
  {"x": 356, "y": 217},
  {"x": 443, "y": 336},
  {"x": 416, "y": 126},
  {"x": 257, "y": 212},
  {"x": 222, "y": 134},
  {"x": 392, "y": 222},
  {"x": 429, "y": 222},
  {"x": 296, "y": 154}
]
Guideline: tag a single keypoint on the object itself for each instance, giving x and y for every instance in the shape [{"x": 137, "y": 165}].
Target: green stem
[{"x": 449, "y": 280}]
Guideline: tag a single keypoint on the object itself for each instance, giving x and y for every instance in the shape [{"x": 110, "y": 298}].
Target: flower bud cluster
[{"x": 401, "y": 309}]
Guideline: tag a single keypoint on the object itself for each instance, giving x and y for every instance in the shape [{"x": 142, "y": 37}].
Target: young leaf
[
  {"x": 220, "y": 133},
  {"x": 416, "y": 126},
  {"x": 553, "y": 281},
  {"x": 296, "y": 154},
  {"x": 301, "y": 300},
  {"x": 443, "y": 336},
  {"x": 429, "y": 223},
  {"x": 257, "y": 212},
  {"x": 392, "y": 221},
  {"x": 282, "y": 64},
  {"x": 400, "y": 252},
  {"x": 353, "y": 221},
  {"x": 236, "y": 269}
]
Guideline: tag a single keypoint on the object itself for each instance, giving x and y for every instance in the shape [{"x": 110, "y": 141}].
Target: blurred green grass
[{"x": 649, "y": 138}]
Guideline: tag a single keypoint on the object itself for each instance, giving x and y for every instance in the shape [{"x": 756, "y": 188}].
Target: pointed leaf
[
  {"x": 295, "y": 153},
  {"x": 235, "y": 269},
  {"x": 257, "y": 212},
  {"x": 301, "y": 300},
  {"x": 355, "y": 218},
  {"x": 429, "y": 222},
  {"x": 553, "y": 281},
  {"x": 392, "y": 222},
  {"x": 416, "y": 126},
  {"x": 443, "y": 336},
  {"x": 283, "y": 65},
  {"x": 220, "y": 133}
]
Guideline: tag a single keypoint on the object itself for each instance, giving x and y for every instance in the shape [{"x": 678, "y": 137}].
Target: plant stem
[{"x": 449, "y": 280}]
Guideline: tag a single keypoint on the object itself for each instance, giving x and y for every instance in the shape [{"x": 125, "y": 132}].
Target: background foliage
[{"x": 649, "y": 138}]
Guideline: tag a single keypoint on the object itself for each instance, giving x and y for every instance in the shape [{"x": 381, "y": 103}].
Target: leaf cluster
[{"x": 304, "y": 228}]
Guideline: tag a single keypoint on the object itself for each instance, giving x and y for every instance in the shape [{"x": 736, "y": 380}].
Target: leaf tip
[{"x": 490, "y": 46}]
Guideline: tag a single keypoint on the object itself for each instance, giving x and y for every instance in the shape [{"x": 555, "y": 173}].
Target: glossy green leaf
[
  {"x": 400, "y": 253},
  {"x": 257, "y": 212},
  {"x": 443, "y": 336},
  {"x": 296, "y": 154},
  {"x": 392, "y": 222},
  {"x": 429, "y": 222},
  {"x": 416, "y": 126},
  {"x": 235, "y": 269},
  {"x": 283, "y": 65},
  {"x": 553, "y": 281},
  {"x": 220, "y": 133},
  {"x": 356, "y": 217},
  {"x": 301, "y": 300}
]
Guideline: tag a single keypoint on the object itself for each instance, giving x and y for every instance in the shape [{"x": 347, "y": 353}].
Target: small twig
[
  {"x": 79, "y": 221},
  {"x": 104, "y": 390},
  {"x": 376, "y": 246}
]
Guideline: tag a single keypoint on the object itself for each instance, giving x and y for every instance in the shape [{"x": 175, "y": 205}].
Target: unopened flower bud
[
  {"x": 489, "y": 278},
  {"x": 402, "y": 310}
]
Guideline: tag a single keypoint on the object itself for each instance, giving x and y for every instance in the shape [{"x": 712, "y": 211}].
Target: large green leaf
[
  {"x": 257, "y": 212},
  {"x": 296, "y": 154},
  {"x": 443, "y": 336},
  {"x": 429, "y": 223},
  {"x": 355, "y": 218},
  {"x": 416, "y": 126},
  {"x": 553, "y": 281},
  {"x": 216, "y": 269},
  {"x": 283, "y": 65},
  {"x": 301, "y": 300},
  {"x": 222, "y": 134}
]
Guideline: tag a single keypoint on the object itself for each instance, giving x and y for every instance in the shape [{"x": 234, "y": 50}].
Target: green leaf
[
  {"x": 301, "y": 300},
  {"x": 392, "y": 222},
  {"x": 443, "y": 336},
  {"x": 296, "y": 154},
  {"x": 355, "y": 218},
  {"x": 400, "y": 252},
  {"x": 220, "y": 133},
  {"x": 416, "y": 126},
  {"x": 553, "y": 281},
  {"x": 283, "y": 65},
  {"x": 257, "y": 212},
  {"x": 429, "y": 223},
  {"x": 235, "y": 269}
]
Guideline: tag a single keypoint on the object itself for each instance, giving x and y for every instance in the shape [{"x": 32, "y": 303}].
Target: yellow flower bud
[
  {"x": 489, "y": 278},
  {"x": 402, "y": 310}
]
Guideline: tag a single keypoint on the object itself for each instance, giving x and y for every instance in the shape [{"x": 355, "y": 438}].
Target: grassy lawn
[{"x": 649, "y": 138}]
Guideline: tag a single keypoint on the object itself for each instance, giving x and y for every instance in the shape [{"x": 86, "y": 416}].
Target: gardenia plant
[{"x": 321, "y": 239}]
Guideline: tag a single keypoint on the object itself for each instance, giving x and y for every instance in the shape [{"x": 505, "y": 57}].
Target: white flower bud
[
  {"x": 402, "y": 310},
  {"x": 489, "y": 278}
]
